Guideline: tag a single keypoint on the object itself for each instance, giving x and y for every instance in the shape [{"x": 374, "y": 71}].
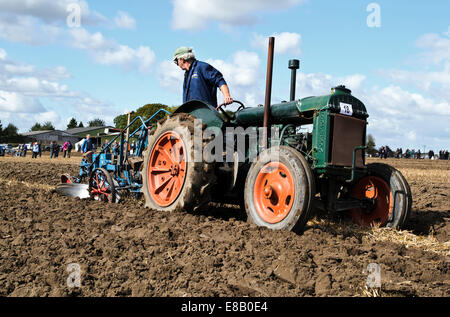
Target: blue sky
[{"x": 119, "y": 58}]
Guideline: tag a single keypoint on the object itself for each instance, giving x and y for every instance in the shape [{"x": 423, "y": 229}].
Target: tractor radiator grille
[{"x": 348, "y": 133}]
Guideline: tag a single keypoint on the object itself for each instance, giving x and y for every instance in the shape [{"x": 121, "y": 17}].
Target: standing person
[
  {"x": 114, "y": 148},
  {"x": 69, "y": 148},
  {"x": 105, "y": 144},
  {"x": 201, "y": 80},
  {"x": 25, "y": 150},
  {"x": 40, "y": 148},
  {"x": 65, "y": 147},
  {"x": 52, "y": 149},
  {"x": 382, "y": 152},
  {"x": 88, "y": 148},
  {"x": 57, "y": 149},
  {"x": 132, "y": 147},
  {"x": 35, "y": 150}
]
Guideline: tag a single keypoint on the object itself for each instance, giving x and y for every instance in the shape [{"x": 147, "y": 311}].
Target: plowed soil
[{"x": 127, "y": 250}]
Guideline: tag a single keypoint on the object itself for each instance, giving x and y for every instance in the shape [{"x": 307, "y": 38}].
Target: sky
[{"x": 99, "y": 59}]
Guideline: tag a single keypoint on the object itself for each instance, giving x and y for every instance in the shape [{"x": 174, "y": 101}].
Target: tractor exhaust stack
[
  {"x": 266, "y": 122},
  {"x": 294, "y": 64}
]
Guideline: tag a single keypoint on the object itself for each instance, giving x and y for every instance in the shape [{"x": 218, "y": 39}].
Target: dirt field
[{"x": 126, "y": 250}]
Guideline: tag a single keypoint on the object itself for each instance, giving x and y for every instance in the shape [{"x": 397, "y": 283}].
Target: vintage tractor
[
  {"x": 192, "y": 158},
  {"x": 278, "y": 161}
]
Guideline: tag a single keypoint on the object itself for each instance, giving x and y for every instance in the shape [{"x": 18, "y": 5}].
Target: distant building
[
  {"x": 93, "y": 131},
  {"x": 45, "y": 137},
  {"x": 75, "y": 136},
  {"x": 98, "y": 134}
]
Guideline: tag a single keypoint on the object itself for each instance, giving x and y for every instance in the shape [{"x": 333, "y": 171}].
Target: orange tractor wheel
[
  {"x": 166, "y": 170},
  {"x": 279, "y": 189},
  {"x": 391, "y": 194},
  {"x": 172, "y": 179}
]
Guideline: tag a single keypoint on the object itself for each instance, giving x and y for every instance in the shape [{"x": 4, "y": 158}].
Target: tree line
[
  {"x": 10, "y": 134},
  {"x": 120, "y": 122},
  {"x": 48, "y": 126}
]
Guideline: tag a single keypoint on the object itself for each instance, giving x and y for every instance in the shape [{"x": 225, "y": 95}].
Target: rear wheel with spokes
[
  {"x": 175, "y": 174},
  {"x": 389, "y": 191},
  {"x": 101, "y": 186},
  {"x": 167, "y": 168}
]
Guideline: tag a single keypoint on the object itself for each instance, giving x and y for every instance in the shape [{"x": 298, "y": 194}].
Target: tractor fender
[{"x": 202, "y": 111}]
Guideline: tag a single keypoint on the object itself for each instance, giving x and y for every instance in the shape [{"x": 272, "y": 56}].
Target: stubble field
[{"x": 127, "y": 250}]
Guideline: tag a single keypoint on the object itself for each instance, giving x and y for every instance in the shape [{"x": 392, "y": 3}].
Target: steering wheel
[{"x": 221, "y": 108}]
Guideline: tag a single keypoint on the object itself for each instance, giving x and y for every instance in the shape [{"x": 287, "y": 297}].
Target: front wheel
[
  {"x": 391, "y": 194},
  {"x": 279, "y": 189}
]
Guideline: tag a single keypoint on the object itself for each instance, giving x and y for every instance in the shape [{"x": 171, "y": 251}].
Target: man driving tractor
[{"x": 201, "y": 80}]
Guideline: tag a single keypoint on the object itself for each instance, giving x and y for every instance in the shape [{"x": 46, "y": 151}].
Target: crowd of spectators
[
  {"x": 385, "y": 152},
  {"x": 37, "y": 148}
]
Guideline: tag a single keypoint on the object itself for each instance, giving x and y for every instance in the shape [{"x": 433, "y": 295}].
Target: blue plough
[{"x": 109, "y": 174}]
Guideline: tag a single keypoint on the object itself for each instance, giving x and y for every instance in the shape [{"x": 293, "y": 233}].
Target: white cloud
[
  {"x": 243, "y": 70},
  {"x": 32, "y": 86},
  {"x": 125, "y": 21},
  {"x": 2, "y": 54},
  {"x": 317, "y": 84},
  {"x": 47, "y": 116},
  {"x": 109, "y": 52},
  {"x": 436, "y": 47},
  {"x": 27, "y": 80},
  {"x": 242, "y": 75},
  {"x": 24, "y": 88},
  {"x": 434, "y": 77},
  {"x": 82, "y": 39},
  {"x": 10, "y": 68},
  {"x": 447, "y": 33},
  {"x": 49, "y": 11},
  {"x": 416, "y": 116},
  {"x": 421, "y": 79},
  {"x": 408, "y": 104},
  {"x": 197, "y": 14},
  {"x": 170, "y": 76},
  {"x": 21, "y": 29},
  {"x": 38, "y": 22},
  {"x": 15, "y": 102},
  {"x": 285, "y": 42},
  {"x": 432, "y": 81}
]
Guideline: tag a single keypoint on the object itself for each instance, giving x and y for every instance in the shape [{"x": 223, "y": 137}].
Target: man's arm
[{"x": 226, "y": 94}]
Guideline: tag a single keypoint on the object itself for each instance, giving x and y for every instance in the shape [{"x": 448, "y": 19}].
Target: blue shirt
[
  {"x": 87, "y": 146},
  {"x": 201, "y": 82}
]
